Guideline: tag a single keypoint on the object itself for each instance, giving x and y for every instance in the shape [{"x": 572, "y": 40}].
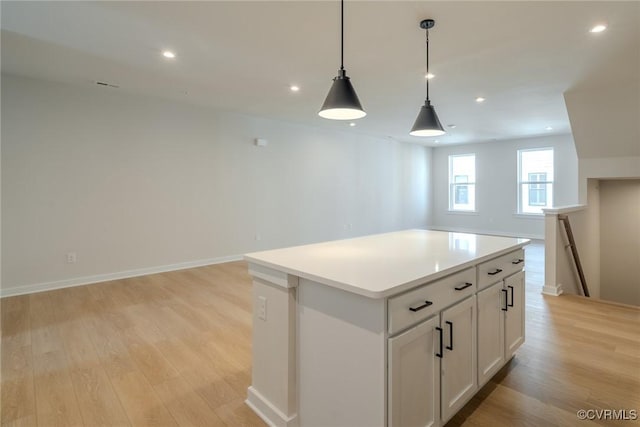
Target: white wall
[
  {"x": 137, "y": 184},
  {"x": 587, "y": 234},
  {"x": 496, "y": 186},
  {"x": 604, "y": 119},
  {"x": 605, "y": 152},
  {"x": 606, "y": 168},
  {"x": 620, "y": 240},
  {"x": 598, "y": 248}
]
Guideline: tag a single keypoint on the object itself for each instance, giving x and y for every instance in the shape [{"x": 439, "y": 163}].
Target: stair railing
[{"x": 574, "y": 251}]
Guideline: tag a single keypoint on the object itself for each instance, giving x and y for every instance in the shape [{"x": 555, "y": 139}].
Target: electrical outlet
[
  {"x": 71, "y": 257},
  {"x": 262, "y": 308}
]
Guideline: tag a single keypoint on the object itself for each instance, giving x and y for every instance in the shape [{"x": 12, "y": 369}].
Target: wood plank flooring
[{"x": 174, "y": 349}]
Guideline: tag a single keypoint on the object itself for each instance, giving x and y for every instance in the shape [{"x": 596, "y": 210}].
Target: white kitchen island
[{"x": 395, "y": 329}]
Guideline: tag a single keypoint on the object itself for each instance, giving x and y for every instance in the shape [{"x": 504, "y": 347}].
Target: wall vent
[{"x": 107, "y": 84}]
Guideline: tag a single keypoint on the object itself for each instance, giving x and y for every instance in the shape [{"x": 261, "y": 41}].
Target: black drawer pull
[
  {"x": 425, "y": 305},
  {"x": 517, "y": 261},
  {"x": 465, "y": 286},
  {"x": 506, "y": 295},
  {"x": 439, "y": 329},
  {"x": 450, "y": 346},
  {"x": 493, "y": 273},
  {"x": 511, "y": 303}
]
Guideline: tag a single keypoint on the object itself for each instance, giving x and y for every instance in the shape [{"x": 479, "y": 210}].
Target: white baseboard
[
  {"x": 87, "y": 280},
  {"x": 552, "y": 290},
  {"x": 489, "y": 232},
  {"x": 269, "y": 413}
]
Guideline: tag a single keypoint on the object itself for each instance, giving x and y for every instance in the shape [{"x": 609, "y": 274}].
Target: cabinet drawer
[
  {"x": 494, "y": 270},
  {"x": 419, "y": 304}
]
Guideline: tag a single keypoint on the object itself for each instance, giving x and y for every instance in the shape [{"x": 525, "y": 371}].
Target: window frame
[
  {"x": 458, "y": 187},
  {"x": 526, "y": 185}
]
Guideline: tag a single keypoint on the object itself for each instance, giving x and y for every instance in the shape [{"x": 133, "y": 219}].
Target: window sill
[
  {"x": 450, "y": 212},
  {"x": 528, "y": 216}
]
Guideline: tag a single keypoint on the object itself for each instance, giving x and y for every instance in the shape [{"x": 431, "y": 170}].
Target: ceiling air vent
[{"x": 107, "y": 84}]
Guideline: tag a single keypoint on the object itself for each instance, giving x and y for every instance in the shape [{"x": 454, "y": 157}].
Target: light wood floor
[{"x": 175, "y": 349}]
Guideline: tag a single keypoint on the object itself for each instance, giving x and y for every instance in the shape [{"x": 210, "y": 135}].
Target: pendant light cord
[
  {"x": 427, "y": 75},
  {"x": 342, "y": 34}
]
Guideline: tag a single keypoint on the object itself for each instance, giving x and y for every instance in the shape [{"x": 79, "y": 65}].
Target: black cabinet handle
[
  {"x": 511, "y": 304},
  {"x": 506, "y": 295},
  {"x": 439, "y": 330},
  {"x": 450, "y": 346},
  {"x": 493, "y": 273},
  {"x": 465, "y": 286},
  {"x": 517, "y": 261},
  {"x": 425, "y": 305}
]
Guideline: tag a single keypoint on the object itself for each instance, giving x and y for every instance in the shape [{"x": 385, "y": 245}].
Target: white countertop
[{"x": 382, "y": 265}]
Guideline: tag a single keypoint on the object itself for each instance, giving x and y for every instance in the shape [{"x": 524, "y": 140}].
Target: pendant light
[
  {"x": 427, "y": 123},
  {"x": 342, "y": 103}
]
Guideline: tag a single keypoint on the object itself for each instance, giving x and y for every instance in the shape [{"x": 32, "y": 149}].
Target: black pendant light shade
[
  {"x": 427, "y": 122},
  {"x": 342, "y": 102}
]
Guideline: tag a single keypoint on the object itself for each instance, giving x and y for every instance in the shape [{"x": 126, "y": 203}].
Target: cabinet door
[
  {"x": 414, "y": 376},
  {"x": 491, "y": 303},
  {"x": 515, "y": 315},
  {"x": 459, "y": 361}
]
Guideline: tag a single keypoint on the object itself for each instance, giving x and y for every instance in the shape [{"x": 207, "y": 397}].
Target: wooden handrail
[{"x": 574, "y": 251}]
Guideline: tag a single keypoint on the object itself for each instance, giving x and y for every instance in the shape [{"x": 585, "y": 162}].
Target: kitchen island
[{"x": 393, "y": 329}]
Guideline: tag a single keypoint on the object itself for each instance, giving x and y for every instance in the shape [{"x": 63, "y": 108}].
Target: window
[
  {"x": 462, "y": 182},
  {"x": 535, "y": 180},
  {"x": 537, "y": 192}
]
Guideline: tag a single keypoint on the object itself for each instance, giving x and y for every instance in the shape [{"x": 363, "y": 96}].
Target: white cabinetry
[
  {"x": 496, "y": 269},
  {"x": 501, "y": 316},
  {"x": 490, "y": 332},
  {"x": 398, "y": 329},
  {"x": 515, "y": 314},
  {"x": 459, "y": 361},
  {"x": 432, "y": 366},
  {"x": 414, "y": 376}
]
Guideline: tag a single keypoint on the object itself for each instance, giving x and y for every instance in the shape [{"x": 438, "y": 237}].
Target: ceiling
[{"x": 243, "y": 56}]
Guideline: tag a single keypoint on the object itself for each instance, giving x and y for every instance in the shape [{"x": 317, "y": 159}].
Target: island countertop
[{"x": 382, "y": 265}]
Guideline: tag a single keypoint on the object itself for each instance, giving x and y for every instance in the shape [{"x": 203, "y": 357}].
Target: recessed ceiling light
[
  {"x": 548, "y": 128},
  {"x": 168, "y": 54},
  {"x": 429, "y": 76},
  {"x": 294, "y": 88},
  {"x": 352, "y": 124},
  {"x": 452, "y": 126},
  {"x": 480, "y": 99},
  {"x": 598, "y": 28}
]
